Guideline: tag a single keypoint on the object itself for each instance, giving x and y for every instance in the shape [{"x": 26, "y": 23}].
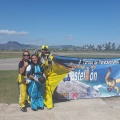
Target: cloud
[
  {"x": 8, "y": 32},
  {"x": 70, "y": 37}
]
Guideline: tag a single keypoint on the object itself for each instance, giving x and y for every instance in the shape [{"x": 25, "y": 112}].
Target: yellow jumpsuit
[
  {"x": 112, "y": 83},
  {"x": 23, "y": 90},
  {"x": 54, "y": 74}
]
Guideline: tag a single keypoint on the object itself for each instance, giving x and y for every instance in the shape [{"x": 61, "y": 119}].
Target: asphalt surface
[
  {"x": 9, "y": 64},
  {"x": 83, "y": 109}
]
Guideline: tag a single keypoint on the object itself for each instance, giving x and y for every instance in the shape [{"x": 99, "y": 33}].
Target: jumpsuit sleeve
[
  {"x": 20, "y": 65},
  {"x": 28, "y": 73},
  {"x": 117, "y": 89}
]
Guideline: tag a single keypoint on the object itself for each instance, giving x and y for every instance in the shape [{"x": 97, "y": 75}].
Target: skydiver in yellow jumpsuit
[
  {"x": 22, "y": 81},
  {"x": 54, "y": 74},
  {"x": 111, "y": 82}
]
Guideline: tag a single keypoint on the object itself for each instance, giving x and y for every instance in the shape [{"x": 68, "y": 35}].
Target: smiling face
[
  {"x": 34, "y": 59},
  {"x": 26, "y": 56}
]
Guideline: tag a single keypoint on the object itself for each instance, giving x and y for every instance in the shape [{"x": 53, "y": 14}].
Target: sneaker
[
  {"x": 27, "y": 104},
  {"x": 49, "y": 108},
  {"x": 24, "y": 109},
  {"x": 34, "y": 109},
  {"x": 109, "y": 68},
  {"x": 41, "y": 108}
]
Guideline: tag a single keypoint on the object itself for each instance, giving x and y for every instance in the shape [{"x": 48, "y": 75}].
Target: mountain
[{"x": 13, "y": 45}]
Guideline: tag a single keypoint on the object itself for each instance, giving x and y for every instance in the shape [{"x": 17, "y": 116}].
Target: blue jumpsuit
[{"x": 36, "y": 90}]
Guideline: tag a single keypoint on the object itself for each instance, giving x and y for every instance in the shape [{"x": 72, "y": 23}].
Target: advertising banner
[{"x": 88, "y": 78}]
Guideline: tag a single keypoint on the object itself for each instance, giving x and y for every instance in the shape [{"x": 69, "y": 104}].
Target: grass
[
  {"x": 81, "y": 54},
  {"x": 95, "y": 56},
  {"x": 91, "y": 54},
  {"x": 4, "y": 55},
  {"x": 8, "y": 87}
]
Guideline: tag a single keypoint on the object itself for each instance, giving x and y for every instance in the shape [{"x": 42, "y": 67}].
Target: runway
[{"x": 9, "y": 64}]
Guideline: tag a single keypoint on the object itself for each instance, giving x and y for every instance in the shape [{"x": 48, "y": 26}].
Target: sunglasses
[{"x": 26, "y": 55}]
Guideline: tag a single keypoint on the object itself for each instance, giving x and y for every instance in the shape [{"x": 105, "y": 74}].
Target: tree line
[{"x": 104, "y": 47}]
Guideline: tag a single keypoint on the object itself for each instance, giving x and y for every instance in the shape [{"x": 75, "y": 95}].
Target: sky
[{"x": 60, "y": 22}]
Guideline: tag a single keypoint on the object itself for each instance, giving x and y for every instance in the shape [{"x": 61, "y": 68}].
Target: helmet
[
  {"x": 44, "y": 50},
  {"x": 44, "y": 47}
]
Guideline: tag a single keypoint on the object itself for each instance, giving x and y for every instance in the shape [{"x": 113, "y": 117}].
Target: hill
[{"x": 13, "y": 45}]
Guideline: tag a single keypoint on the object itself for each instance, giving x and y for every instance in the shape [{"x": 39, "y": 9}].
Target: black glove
[{"x": 42, "y": 79}]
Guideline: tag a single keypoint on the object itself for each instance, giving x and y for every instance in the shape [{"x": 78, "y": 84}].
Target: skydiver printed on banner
[{"x": 90, "y": 78}]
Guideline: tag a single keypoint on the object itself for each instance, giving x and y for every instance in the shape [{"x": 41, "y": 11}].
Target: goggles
[{"x": 26, "y": 55}]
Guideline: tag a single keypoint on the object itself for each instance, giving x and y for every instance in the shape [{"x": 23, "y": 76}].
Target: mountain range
[{"x": 13, "y": 45}]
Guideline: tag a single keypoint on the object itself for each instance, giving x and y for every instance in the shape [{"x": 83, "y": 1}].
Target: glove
[
  {"x": 36, "y": 79},
  {"x": 44, "y": 75},
  {"x": 28, "y": 81},
  {"x": 42, "y": 79}
]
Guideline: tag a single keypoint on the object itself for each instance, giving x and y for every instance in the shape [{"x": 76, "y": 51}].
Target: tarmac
[
  {"x": 9, "y": 64},
  {"x": 82, "y": 109}
]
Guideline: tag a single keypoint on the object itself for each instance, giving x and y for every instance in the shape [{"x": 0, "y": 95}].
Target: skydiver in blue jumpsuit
[{"x": 35, "y": 87}]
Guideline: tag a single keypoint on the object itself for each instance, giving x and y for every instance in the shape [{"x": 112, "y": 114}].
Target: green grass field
[
  {"x": 81, "y": 54},
  {"x": 8, "y": 87},
  {"x": 10, "y": 55},
  {"x": 91, "y": 54}
]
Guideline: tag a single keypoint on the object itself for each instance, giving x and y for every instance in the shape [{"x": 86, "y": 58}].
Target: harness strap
[{"x": 33, "y": 69}]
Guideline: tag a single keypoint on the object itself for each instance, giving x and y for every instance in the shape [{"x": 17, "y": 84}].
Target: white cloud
[
  {"x": 8, "y": 32},
  {"x": 70, "y": 37}
]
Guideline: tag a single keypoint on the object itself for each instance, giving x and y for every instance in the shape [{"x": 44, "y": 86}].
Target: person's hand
[
  {"x": 25, "y": 64},
  {"x": 44, "y": 75},
  {"x": 36, "y": 79}
]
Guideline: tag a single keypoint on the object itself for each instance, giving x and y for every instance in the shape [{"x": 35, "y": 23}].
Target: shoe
[
  {"x": 41, "y": 108},
  {"x": 34, "y": 109},
  {"x": 49, "y": 108},
  {"x": 27, "y": 104},
  {"x": 24, "y": 109},
  {"x": 109, "y": 68}
]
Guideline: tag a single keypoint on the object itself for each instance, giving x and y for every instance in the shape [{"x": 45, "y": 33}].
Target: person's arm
[
  {"x": 22, "y": 67},
  {"x": 117, "y": 89},
  {"x": 28, "y": 74},
  {"x": 33, "y": 78}
]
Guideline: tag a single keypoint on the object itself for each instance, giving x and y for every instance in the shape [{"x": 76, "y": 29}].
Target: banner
[{"x": 88, "y": 78}]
